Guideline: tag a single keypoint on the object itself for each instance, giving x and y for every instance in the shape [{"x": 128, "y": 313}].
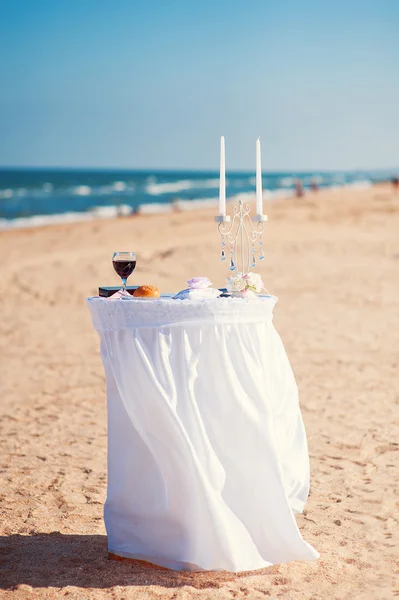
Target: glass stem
[{"x": 124, "y": 280}]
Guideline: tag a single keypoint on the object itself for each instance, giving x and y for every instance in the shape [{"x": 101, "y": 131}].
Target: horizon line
[{"x": 188, "y": 169}]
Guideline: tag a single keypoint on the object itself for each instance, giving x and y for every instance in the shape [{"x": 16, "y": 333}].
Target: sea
[{"x": 33, "y": 197}]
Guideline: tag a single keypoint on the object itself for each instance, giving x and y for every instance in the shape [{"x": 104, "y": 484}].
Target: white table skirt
[{"x": 207, "y": 453}]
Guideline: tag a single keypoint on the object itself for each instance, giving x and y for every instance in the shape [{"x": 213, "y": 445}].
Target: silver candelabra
[{"x": 242, "y": 241}]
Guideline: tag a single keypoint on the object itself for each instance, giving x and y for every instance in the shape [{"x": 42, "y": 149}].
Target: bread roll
[{"x": 147, "y": 291}]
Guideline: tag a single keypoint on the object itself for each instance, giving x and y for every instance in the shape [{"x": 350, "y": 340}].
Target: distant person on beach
[
  {"x": 395, "y": 184},
  {"x": 313, "y": 185},
  {"x": 298, "y": 188},
  {"x": 175, "y": 205}
]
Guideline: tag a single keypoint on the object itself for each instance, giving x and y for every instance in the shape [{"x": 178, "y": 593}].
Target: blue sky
[{"x": 154, "y": 83}]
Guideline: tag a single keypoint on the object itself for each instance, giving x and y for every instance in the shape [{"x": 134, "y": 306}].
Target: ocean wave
[
  {"x": 8, "y": 193},
  {"x": 195, "y": 204},
  {"x": 244, "y": 196},
  {"x": 119, "y": 186},
  {"x": 286, "y": 182},
  {"x": 209, "y": 183},
  {"x": 156, "y": 189},
  {"x": 98, "y": 212},
  {"x": 81, "y": 190},
  {"x": 317, "y": 179},
  {"x": 154, "y": 208},
  {"x": 360, "y": 185},
  {"x": 108, "y": 212}
]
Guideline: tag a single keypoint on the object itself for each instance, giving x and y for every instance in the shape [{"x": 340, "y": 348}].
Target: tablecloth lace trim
[{"x": 121, "y": 314}]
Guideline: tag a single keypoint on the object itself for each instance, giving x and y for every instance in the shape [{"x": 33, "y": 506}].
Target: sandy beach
[{"x": 332, "y": 258}]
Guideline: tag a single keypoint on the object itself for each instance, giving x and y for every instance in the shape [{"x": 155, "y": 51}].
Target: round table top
[{"x": 108, "y": 314}]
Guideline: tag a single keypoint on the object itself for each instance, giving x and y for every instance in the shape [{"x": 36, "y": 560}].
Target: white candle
[
  {"x": 259, "y": 199},
  {"x": 222, "y": 184}
]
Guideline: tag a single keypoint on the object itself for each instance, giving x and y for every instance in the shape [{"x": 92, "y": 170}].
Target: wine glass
[{"x": 124, "y": 264}]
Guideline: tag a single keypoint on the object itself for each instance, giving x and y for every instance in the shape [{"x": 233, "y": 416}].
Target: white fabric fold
[{"x": 207, "y": 455}]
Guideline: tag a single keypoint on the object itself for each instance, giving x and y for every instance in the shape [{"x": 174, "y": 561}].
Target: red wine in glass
[
  {"x": 124, "y": 268},
  {"x": 124, "y": 264}
]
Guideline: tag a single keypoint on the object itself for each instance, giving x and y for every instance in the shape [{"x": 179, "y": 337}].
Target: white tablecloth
[{"x": 207, "y": 454}]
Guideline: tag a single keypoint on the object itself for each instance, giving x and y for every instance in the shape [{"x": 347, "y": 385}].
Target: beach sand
[{"x": 332, "y": 258}]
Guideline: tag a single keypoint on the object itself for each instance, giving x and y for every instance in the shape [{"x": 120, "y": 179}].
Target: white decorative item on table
[
  {"x": 247, "y": 285},
  {"x": 241, "y": 238},
  {"x": 198, "y": 289}
]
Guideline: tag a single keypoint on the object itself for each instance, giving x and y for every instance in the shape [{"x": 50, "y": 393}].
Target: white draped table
[{"x": 207, "y": 453}]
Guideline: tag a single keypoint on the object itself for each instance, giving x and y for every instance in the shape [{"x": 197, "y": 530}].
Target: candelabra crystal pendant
[
  {"x": 232, "y": 263},
  {"x": 261, "y": 255},
  {"x": 222, "y": 252},
  {"x": 253, "y": 262}
]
